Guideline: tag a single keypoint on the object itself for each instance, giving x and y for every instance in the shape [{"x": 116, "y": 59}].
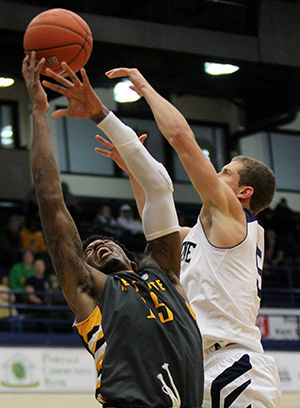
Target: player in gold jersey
[{"x": 137, "y": 325}]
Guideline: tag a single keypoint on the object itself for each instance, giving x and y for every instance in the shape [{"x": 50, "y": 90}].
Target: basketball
[{"x": 59, "y": 35}]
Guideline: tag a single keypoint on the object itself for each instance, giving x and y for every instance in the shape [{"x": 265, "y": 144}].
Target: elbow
[
  {"x": 47, "y": 191},
  {"x": 181, "y": 136}
]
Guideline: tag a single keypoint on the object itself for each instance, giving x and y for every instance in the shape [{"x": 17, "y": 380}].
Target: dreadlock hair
[
  {"x": 256, "y": 174},
  {"x": 130, "y": 255}
]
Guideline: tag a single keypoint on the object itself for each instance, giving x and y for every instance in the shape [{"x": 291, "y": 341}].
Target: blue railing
[
  {"x": 51, "y": 324},
  {"x": 281, "y": 287}
]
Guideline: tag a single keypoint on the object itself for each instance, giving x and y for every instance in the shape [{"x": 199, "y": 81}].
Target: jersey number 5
[{"x": 164, "y": 313}]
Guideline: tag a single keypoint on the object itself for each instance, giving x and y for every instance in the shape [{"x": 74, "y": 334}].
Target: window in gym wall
[
  {"x": 8, "y": 127},
  {"x": 285, "y": 151},
  {"x": 76, "y": 143}
]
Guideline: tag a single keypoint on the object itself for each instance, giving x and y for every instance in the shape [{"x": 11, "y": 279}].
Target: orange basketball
[{"x": 59, "y": 35}]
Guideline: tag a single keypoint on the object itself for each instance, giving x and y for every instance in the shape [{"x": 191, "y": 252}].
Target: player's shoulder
[{"x": 184, "y": 232}]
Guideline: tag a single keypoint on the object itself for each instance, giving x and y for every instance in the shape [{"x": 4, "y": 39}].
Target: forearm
[
  {"x": 158, "y": 214},
  {"x": 43, "y": 164},
  {"x": 177, "y": 131},
  {"x": 62, "y": 238},
  {"x": 170, "y": 121}
]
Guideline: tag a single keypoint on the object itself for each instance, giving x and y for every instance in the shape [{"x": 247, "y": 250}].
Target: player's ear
[{"x": 246, "y": 192}]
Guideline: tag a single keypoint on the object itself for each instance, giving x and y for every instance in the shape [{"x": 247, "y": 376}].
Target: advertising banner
[
  {"x": 71, "y": 370},
  {"x": 46, "y": 370},
  {"x": 280, "y": 324}
]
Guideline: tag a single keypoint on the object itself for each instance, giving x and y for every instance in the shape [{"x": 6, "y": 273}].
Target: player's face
[
  {"x": 230, "y": 175},
  {"x": 106, "y": 256}
]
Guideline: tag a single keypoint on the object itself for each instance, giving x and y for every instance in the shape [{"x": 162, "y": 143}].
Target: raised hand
[
  {"x": 31, "y": 70},
  {"x": 134, "y": 75},
  {"x": 112, "y": 153},
  {"x": 82, "y": 99}
]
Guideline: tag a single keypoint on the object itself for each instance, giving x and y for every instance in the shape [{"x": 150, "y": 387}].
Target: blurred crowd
[
  {"x": 282, "y": 235},
  {"x": 30, "y": 293}
]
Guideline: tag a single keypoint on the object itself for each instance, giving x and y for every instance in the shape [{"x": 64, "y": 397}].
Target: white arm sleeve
[{"x": 159, "y": 213}]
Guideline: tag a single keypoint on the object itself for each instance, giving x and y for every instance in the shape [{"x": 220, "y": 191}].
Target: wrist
[
  {"x": 39, "y": 109},
  {"x": 99, "y": 116}
]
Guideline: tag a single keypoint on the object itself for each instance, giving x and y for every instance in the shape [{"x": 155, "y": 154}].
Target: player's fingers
[
  {"x": 103, "y": 152},
  {"x": 25, "y": 60},
  {"x": 71, "y": 73},
  {"x": 118, "y": 72},
  {"x": 103, "y": 141},
  {"x": 59, "y": 113},
  {"x": 32, "y": 61},
  {"x": 85, "y": 78},
  {"x": 25, "y": 65},
  {"x": 133, "y": 88},
  {"x": 54, "y": 87},
  {"x": 40, "y": 66},
  {"x": 60, "y": 79},
  {"x": 143, "y": 137}
]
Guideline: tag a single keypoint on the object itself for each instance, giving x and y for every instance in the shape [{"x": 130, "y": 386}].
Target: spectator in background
[
  {"x": 282, "y": 217},
  {"x": 105, "y": 223},
  {"x": 9, "y": 317},
  {"x": 19, "y": 273},
  {"x": 11, "y": 241},
  {"x": 132, "y": 234},
  {"x": 126, "y": 221},
  {"x": 37, "y": 290},
  {"x": 266, "y": 218},
  {"x": 32, "y": 237},
  {"x": 37, "y": 286},
  {"x": 274, "y": 253}
]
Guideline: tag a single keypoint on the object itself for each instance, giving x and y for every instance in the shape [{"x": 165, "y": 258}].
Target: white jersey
[{"x": 223, "y": 285}]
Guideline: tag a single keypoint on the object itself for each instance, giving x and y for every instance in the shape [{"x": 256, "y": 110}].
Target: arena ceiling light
[
  {"x": 213, "y": 68},
  {"x": 5, "y": 82},
  {"x": 123, "y": 93}
]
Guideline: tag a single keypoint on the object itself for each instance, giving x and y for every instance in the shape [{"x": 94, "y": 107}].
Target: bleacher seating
[{"x": 281, "y": 284}]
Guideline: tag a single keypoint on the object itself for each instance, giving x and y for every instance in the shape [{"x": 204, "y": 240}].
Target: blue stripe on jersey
[
  {"x": 249, "y": 216},
  {"x": 259, "y": 255},
  {"x": 235, "y": 393},
  {"x": 237, "y": 369}
]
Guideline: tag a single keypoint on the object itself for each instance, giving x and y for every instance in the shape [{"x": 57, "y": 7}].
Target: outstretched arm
[
  {"x": 159, "y": 214},
  {"x": 63, "y": 241},
  {"x": 176, "y": 130},
  {"x": 138, "y": 191}
]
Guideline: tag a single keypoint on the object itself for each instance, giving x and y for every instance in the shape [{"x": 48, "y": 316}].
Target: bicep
[{"x": 65, "y": 249}]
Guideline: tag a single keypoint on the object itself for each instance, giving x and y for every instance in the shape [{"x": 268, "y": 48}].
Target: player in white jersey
[{"x": 222, "y": 258}]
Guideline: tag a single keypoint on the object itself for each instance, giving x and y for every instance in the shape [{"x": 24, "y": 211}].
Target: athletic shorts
[{"x": 238, "y": 377}]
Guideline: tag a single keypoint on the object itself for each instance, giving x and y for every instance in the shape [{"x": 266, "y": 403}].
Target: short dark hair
[
  {"x": 256, "y": 174},
  {"x": 130, "y": 255}
]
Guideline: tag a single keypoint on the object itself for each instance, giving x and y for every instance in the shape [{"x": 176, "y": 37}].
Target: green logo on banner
[{"x": 18, "y": 372}]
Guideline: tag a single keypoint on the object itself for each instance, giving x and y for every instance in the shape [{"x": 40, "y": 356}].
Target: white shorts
[{"x": 237, "y": 377}]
